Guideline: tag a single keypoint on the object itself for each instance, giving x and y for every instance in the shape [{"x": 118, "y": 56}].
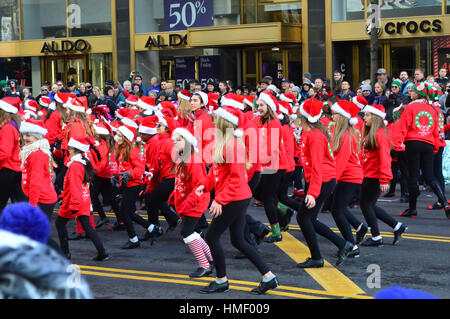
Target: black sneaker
[
  {"x": 264, "y": 286},
  {"x": 311, "y": 263},
  {"x": 101, "y": 257},
  {"x": 369, "y": 242},
  {"x": 360, "y": 234},
  {"x": 201, "y": 272},
  {"x": 408, "y": 213},
  {"x": 436, "y": 206},
  {"x": 398, "y": 233},
  {"x": 354, "y": 253},
  {"x": 76, "y": 236},
  {"x": 172, "y": 227},
  {"x": 272, "y": 239},
  {"x": 343, "y": 252},
  {"x": 287, "y": 219},
  {"x": 131, "y": 245},
  {"x": 215, "y": 287},
  {"x": 262, "y": 235}
]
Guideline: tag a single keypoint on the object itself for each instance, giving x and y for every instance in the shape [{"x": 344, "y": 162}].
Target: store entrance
[{"x": 65, "y": 69}]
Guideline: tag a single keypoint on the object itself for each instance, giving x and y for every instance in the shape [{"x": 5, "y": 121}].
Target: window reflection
[{"x": 9, "y": 20}]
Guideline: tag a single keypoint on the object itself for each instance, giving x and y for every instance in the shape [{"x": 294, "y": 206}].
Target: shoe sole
[{"x": 213, "y": 292}]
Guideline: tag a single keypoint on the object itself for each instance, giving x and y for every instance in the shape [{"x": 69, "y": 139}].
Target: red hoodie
[
  {"x": 54, "y": 126},
  {"x": 289, "y": 146},
  {"x": 348, "y": 166},
  {"x": 9, "y": 147},
  {"x": 76, "y": 195},
  {"x": 440, "y": 142},
  {"x": 103, "y": 168},
  {"x": 318, "y": 161},
  {"x": 377, "y": 163},
  {"x": 135, "y": 165}
]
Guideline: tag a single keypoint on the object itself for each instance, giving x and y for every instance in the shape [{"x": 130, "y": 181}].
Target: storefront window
[
  {"x": 18, "y": 69},
  {"x": 279, "y": 11},
  {"x": 9, "y": 19},
  {"x": 149, "y": 16},
  {"x": 43, "y": 19},
  {"x": 89, "y": 18},
  {"x": 344, "y": 10},
  {"x": 410, "y": 8},
  {"x": 100, "y": 69}
]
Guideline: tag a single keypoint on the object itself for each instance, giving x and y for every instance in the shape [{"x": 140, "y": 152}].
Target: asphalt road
[{"x": 160, "y": 271}]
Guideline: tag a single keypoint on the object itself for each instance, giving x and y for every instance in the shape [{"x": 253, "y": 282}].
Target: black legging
[
  {"x": 60, "y": 224},
  {"x": 437, "y": 168},
  {"x": 157, "y": 201},
  {"x": 47, "y": 209},
  {"x": 420, "y": 156},
  {"x": 252, "y": 225},
  {"x": 232, "y": 217},
  {"x": 103, "y": 186},
  {"x": 298, "y": 179},
  {"x": 370, "y": 192},
  {"x": 399, "y": 166},
  {"x": 310, "y": 225},
  {"x": 188, "y": 225},
  {"x": 10, "y": 187},
  {"x": 266, "y": 192},
  {"x": 286, "y": 181},
  {"x": 342, "y": 196},
  {"x": 128, "y": 210}
]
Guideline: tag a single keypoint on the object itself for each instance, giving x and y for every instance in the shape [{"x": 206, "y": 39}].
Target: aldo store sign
[{"x": 65, "y": 46}]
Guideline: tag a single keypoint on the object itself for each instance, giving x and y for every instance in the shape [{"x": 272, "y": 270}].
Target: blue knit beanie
[
  {"x": 27, "y": 220},
  {"x": 397, "y": 292}
]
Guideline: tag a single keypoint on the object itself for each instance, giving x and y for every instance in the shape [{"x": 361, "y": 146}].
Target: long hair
[
  {"x": 124, "y": 149},
  {"x": 342, "y": 126},
  {"x": 6, "y": 117},
  {"x": 179, "y": 164},
  {"x": 269, "y": 117},
  {"x": 318, "y": 125},
  {"x": 224, "y": 134},
  {"x": 89, "y": 171},
  {"x": 369, "y": 135},
  {"x": 109, "y": 141},
  {"x": 85, "y": 120},
  {"x": 184, "y": 108}
]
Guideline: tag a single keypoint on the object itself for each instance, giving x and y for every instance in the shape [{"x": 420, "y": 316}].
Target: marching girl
[
  {"x": 228, "y": 178},
  {"x": 375, "y": 158},
  {"x": 10, "y": 171},
  {"x": 37, "y": 167},
  {"x": 184, "y": 108},
  {"x": 349, "y": 173},
  {"x": 419, "y": 129},
  {"x": 190, "y": 170},
  {"x": 76, "y": 198},
  {"x": 273, "y": 160},
  {"x": 320, "y": 176}
]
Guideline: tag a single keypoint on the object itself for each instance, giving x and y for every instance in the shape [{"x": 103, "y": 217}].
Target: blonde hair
[
  {"x": 342, "y": 126},
  {"x": 369, "y": 135},
  {"x": 184, "y": 108}
]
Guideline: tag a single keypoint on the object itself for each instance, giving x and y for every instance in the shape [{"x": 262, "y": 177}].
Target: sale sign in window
[{"x": 183, "y": 14}]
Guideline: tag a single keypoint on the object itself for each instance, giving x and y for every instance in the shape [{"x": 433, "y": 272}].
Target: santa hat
[
  {"x": 129, "y": 122},
  {"x": 5, "y": 106},
  {"x": 286, "y": 108},
  {"x": 169, "y": 109},
  {"x": 14, "y": 102},
  {"x": 270, "y": 100},
  {"x": 312, "y": 110},
  {"x": 28, "y": 114},
  {"x": 360, "y": 101},
  {"x": 213, "y": 102},
  {"x": 376, "y": 109},
  {"x": 31, "y": 105},
  {"x": 347, "y": 109},
  {"x": 288, "y": 97},
  {"x": 81, "y": 143},
  {"x": 52, "y": 106},
  {"x": 185, "y": 95},
  {"x": 103, "y": 128},
  {"x": 232, "y": 115},
  {"x": 166, "y": 121},
  {"x": 77, "y": 105},
  {"x": 128, "y": 131},
  {"x": 188, "y": 135},
  {"x": 148, "y": 125},
  {"x": 249, "y": 99},
  {"x": 132, "y": 99},
  {"x": 233, "y": 100},
  {"x": 101, "y": 110},
  {"x": 33, "y": 126},
  {"x": 63, "y": 98},
  {"x": 45, "y": 101},
  {"x": 204, "y": 97},
  {"x": 147, "y": 103}
]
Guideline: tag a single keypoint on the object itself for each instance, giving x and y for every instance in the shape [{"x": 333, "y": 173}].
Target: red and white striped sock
[
  {"x": 206, "y": 249},
  {"x": 197, "y": 250}
]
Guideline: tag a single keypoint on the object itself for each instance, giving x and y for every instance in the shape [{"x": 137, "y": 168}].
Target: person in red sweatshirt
[
  {"x": 375, "y": 159},
  {"x": 419, "y": 129},
  {"x": 37, "y": 167},
  {"x": 320, "y": 176},
  {"x": 190, "y": 170},
  {"x": 229, "y": 180},
  {"x": 76, "y": 196},
  {"x": 349, "y": 175},
  {"x": 10, "y": 171},
  {"x": 273, "y": 159}
]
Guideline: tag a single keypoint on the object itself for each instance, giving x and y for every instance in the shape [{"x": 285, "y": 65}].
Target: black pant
[
  {"x": 298, "y": 177},
  {"x": 47, "y": 209},
  {"x": 266, "y": 192},
  {"x": 157, "y": 202},
  {"x": 128, "y": 210},
  {"x": 60, "y": 224},
  {"x": 60, "y": 172},
  {"x": 252, "y": 225},
  {"x": 286, "y": 180},
  {"x": 420, "y": 156},
  {"x": 188, "y": 225},
  {"x": 103, "y": 186},
  {"x": 232, "y": 217},
  {"x": 342, "y": 197},
  {"x": 437, "y": 168},
  {"x": 10, "y": 187},
  {"x": 399, "y": 173},
  {"x": 370, "y": 192},
  {"x": 307, "y": 220}
]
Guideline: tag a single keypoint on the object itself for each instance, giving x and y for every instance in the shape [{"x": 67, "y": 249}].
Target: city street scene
[{"x": 232, "y": 156}]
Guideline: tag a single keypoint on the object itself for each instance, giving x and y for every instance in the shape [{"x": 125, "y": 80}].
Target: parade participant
[
  {"x": 228, "y": 178},
  {"x": 419, "y": 129},
  {"x": 189, "y": 171},
  {"x": 37, "y": 167},
  {"x": 10, "y": 171},
  {"x": 273, "y": 159},
  {"x": 184, "y": 108},
  {"x": 44, "y": 102},
  {"x": 320, "y": 176},
  {"x": 349, "y": 174},
  {"x": 76, "y": 198},
  {"x": 376, "y": 163}
]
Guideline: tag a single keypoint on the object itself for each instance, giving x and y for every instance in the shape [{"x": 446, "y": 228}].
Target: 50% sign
[{"x": 186, "y": 14}]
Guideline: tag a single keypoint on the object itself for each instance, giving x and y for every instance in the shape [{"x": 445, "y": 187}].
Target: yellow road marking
[{"x": 331, "y": 279}]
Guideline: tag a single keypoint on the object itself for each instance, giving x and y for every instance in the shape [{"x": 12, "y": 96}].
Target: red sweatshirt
[
  {"x": 76, "y": 195},
  {"x": 440, "y": 142},
  {"x": 318, "y": 161},
  {"x": 161, "y": 168},
  {"x": 9, "y": 147},
  {"x": 186, "y": 202},
  {"x": 329, "y": 124},
  {"x": 204, "y": 132},
  {"x": 75, "y": 129},
  {"x": 103, "y": 168},
  {"x": 135, "y": 165},
  {"x": 394, "y": 134},
  {"x": 37, "y": 179},
  {"x": 289, "y": 146},
  {"x": 377, "y": 163},
  {"x": 419, "y": 122},
  {"x": 252, "y": 146},
  {"x": 348, "y": 166},
  {"x": 151, "y": 160},
  {"x": 54, "y": 126},
  {"x": 229, "y": 180}
]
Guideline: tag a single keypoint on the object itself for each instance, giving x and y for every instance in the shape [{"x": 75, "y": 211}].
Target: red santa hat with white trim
[
  {"x": 169, "y": 109},
  {"x": 378, "y": 110},
  {"x": 77, "y": 105},
  {"x": 63, "y": 98},
  {"x": 360, "y": 101},
  {"x": 312, "y": 110},
  {"x": 234, "y": 116},
  {"x": 185, "y": 95},
  {"x": 81, "y": 143},
  {"x": 7, "y": 107},
  {"x": 31, "y": 105},
  {"x": 249, "y": 99},
  {"x": 268, "y": 98},
  {"x": 103, "y": 128},
  {"x": 45, "y": 101},
  {"x": 347, "y": 109},
  {"x": 233, "y": 100},
  {"x": 286, "y": 108},
  {"x": 29, "y": 114},
  {"x": 213, "y": 102},
  {"x": 288, "y": 97},
  {"x": 147, "y": 103},
  {"x": 167, "y": 121},
  {"x": 128, "y": 131},
  {"x": 188, "y": 135},
  {"x": 33, "y": 126},
  {"x": 148, "y": 125},
  {"x": 132, "y": 99}
]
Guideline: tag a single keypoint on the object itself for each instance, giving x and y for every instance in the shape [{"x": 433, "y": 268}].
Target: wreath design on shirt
[{"x": 424, "y": 121}]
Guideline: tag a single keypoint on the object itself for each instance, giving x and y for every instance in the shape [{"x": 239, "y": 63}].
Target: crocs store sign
[{"x": 412, "y": 27}]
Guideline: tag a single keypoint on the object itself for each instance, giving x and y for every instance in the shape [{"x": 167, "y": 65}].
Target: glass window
[
  {"x": 43, "y": 19},
  {"x": 344, "y": 10},
  {"x": 89, "y": 18},
  {"x": 408, "y": 8},
  {"x": 226, "y": 12},
  {"x": 280, "y": 11},
  {"x": 100, "y": 69},
  {"x": 149, "y": 16},
  {"x": 18, "y": 69},
  {"x": 9, "y": 19}
]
